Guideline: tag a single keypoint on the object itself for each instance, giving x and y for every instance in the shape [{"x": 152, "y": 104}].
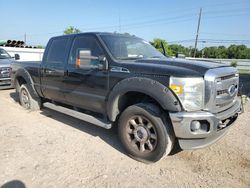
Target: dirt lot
[{"x": 48, "y": 149}]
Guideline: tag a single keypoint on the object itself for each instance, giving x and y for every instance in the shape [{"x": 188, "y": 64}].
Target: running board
[{"x": 78, "y": 115}]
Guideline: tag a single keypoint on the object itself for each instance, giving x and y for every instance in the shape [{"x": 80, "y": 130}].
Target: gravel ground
[{"x": 49, "y": 149}]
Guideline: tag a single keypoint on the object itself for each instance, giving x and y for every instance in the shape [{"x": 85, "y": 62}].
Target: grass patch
[{"x": 244, "y": 71}]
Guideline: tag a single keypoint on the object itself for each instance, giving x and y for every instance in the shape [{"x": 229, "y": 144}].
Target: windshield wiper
[
  {"x": 130, "y": 58},
  {"x": 5, "y": 57},
  {"x": 156, "y": 57}
]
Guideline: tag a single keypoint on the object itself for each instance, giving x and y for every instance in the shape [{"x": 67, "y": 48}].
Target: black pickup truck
[{"x": 111, "y": 79}]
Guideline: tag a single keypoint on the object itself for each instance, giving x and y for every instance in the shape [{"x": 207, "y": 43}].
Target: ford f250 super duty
[
  {"x": 5, "y": 70},
  {"x": 111, "y": 79}
]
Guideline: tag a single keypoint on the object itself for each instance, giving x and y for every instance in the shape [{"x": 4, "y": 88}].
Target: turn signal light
[{"x": 177, "y": 88}]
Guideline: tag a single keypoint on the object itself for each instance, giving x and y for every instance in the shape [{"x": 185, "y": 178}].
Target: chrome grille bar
[{"x": 219, "y": 83}]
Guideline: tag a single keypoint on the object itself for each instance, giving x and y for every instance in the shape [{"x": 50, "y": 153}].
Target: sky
[{"x": 222, "y": 21}]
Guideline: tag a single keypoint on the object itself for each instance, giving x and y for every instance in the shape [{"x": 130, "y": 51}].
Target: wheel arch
[
  {"x": 23, "y": 77},
  {"x": 137, "y": 89}
]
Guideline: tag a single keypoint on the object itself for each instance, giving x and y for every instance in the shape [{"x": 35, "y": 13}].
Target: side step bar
[{"x": 78, "y": 115}]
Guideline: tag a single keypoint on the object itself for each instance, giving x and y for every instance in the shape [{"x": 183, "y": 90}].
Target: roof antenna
[{"x": 163, "y": 48}]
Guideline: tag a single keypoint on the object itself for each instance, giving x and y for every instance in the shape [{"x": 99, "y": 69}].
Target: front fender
[{"x": 160, "y": 93}]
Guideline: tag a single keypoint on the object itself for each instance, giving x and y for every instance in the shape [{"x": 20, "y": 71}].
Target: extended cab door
[
  {"x": 86, "y": 86},
  {"x": 53, "y": 68}
]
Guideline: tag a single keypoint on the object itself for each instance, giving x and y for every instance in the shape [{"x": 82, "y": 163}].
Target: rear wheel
[
  {"x": 26, "y": 99},
  {"x": 145, "y": 134}
]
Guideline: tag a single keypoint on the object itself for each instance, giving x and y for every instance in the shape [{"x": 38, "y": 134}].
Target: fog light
[{"x": 195, "y": 126}]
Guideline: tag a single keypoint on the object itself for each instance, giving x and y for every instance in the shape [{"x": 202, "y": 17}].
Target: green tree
[
  {"x": 179, "y": 49},
  {"x": 71, "y": 30},
  {"x": 157, "y": 44},
  {"x": 221, "y": 52},
  {"x": 40, "y": 47},
  {"x": 238, "y": 52},
  {"x": 210, "y": 52}
]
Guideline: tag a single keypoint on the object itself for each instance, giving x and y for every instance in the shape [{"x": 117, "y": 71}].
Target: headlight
[{"x": 190, "y": 92}]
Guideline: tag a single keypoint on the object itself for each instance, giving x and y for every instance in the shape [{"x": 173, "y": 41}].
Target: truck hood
[
  {"x": 6, "y": 62},
  {"x": 174, "y": 67}
]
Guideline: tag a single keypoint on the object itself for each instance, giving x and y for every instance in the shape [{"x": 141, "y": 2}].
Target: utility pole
[
  {"x": 25, "y": 38},
  {"x": 197, "y": 33},
  {"x": 119, "y": 24}
]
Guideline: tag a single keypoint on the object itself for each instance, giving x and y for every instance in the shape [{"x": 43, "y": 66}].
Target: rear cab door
[{"x": 53, "y": 68}]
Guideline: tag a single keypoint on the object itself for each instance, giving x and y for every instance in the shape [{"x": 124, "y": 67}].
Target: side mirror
[
  {"x": 86, "y": 61},
  {"x": 104, "y": 63},
  {"x": 17, "y": 56}
]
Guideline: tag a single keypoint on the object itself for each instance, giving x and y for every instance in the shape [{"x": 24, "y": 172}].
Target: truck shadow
[
  {"x": 245, "y": 84},
  {"x": 110, "y": 136}
]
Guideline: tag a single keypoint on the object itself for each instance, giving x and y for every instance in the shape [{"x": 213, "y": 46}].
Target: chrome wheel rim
[
  {"x": 25, "y": 98},
  {"x": 141, "y": 134}
]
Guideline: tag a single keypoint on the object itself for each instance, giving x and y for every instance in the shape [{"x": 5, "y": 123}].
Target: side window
[
  {"x": 85, "y": 43},
  {"x": 57, "y": 51}
]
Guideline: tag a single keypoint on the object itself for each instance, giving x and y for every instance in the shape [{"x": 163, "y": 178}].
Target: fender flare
[
  {"x": 26, "y": 76},
  {"x": 162, "y": 94}
]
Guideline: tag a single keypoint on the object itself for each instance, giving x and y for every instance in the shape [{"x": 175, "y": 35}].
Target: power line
[
  {"x": 224, "y": 34},
  {"x": 169, "y": 20},
  {"x": 226, "y": 41},
  {"x": 205, "y": 40},
  {"x": 149, "y": 22},
  {"x": 189, "y": 9},
  {"x": 226, "y": 11},
  {"x": 181, "y": 41},
  {"x": 226, "y": 16},
  {"x": 159, "y": 20}
]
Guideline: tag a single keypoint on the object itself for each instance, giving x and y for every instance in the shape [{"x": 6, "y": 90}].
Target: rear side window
[{"x": 57, "y": 51}]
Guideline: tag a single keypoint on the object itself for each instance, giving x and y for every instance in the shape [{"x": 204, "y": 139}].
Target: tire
[
  {"x": 26, "y": 100},
  {"x": 145, "y": 132}
]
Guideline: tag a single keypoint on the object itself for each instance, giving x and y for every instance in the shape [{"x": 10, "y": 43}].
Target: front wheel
[{"x": 145, "y": 134}]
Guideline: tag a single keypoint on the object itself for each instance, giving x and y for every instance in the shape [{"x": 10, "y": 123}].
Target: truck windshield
[
  {"x": 4, "y": 54},
  {"x": 129, "y": 47}
]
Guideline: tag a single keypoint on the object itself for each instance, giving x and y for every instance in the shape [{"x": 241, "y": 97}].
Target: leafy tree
[
  {"x": 210, "y": 52},
  {"x": 71, "y": 30},
  {"x": 179, "y": 49},
  {"x": 221, "y": 52},
  {"x": 238, "y": 52},
  {"x": 40, "y": 47}
]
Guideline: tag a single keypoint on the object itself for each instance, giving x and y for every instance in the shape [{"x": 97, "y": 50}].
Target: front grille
[
  {"x": 221, "y": 92},
  {"x": 221, "y": 88},
  {"x": 5, "y": 72},
  {"x": 224, "y": 98},
  {"x": 227, "y": 77}
]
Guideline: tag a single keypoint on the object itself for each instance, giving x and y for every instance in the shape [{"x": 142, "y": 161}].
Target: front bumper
[{"x": 217, "y": 126}]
